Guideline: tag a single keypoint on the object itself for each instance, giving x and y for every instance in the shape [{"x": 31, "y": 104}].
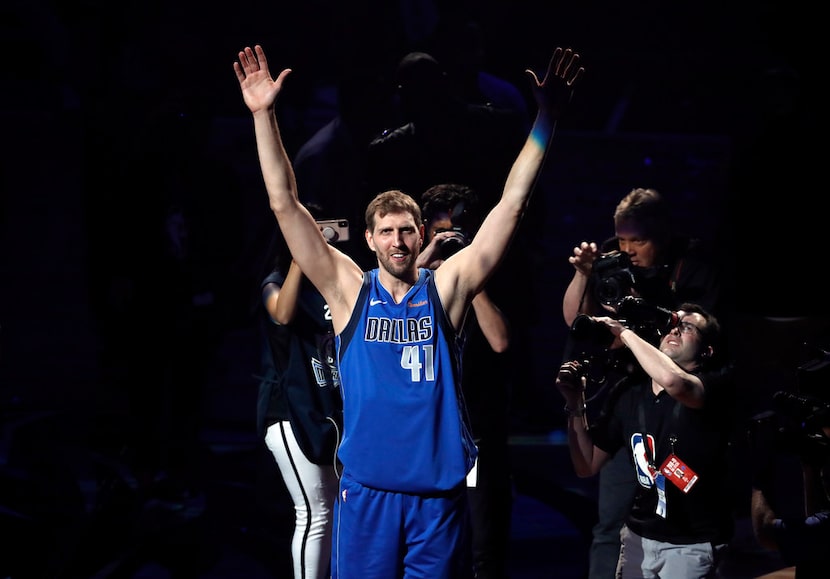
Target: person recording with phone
[
  {"x": 299, "y": 408},
  {"x": 674, "y": 427}
]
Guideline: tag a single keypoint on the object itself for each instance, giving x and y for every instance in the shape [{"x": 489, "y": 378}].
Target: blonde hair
[
  {"x": 648, "y": 209},
  {"x": 393, "y": 201}
]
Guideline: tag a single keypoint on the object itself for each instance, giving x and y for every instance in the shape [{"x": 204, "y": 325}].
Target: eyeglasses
[{"x": 688, "y": 328}]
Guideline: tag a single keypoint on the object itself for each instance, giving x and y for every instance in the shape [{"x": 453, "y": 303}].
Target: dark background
[
  {"x": 716, "y": 104},
  {"x": 680, "y": 98}
]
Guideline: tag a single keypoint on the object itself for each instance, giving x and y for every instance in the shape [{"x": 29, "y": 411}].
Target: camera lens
[
  {"x": 638, "y": 313},
  {"x": 610, "y": 291},
  {"x": 586, "y": 330},
  {"x": 330, "y": 233},
  {"x": 614, "y": 277},
  {"x": 451, "y": 246}
]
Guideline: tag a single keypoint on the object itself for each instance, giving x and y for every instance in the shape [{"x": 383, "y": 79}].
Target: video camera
[
  {"x": 796, "y": 422},
  {"x": 634, "y": 313},
  {"x": 591, "y": 341},
  {"x": 614, "y": 280},
  {"x": 614, "y": 277}
]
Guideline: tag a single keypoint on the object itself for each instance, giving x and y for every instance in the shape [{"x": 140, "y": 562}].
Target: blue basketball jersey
[{"x": 405, "y": 423}]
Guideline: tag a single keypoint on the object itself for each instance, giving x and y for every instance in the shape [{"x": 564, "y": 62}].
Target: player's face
[{"x": 396, "y": 241}]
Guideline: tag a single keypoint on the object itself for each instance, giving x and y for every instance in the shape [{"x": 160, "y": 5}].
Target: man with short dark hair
[
  {"x": 451, "y": 220},
  {"x": 674, "y": 427}
]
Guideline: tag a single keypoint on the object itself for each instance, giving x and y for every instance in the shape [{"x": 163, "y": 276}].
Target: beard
[{"x": 396, "y": 268}]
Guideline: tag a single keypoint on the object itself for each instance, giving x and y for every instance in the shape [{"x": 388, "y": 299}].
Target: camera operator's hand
[
  {"x": 615, "y": 327},
  {"x": 583, "y": 257},
  {"x": 578, "y": 299},
  {"x": 432, "y": 256},
  {"x": 571, "y": 382}
]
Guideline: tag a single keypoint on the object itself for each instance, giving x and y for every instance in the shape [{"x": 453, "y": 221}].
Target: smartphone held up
[{"x": 334, "y": 230}]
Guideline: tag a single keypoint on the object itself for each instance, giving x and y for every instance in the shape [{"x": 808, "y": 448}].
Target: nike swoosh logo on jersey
[{"x": 374, "y": 302}]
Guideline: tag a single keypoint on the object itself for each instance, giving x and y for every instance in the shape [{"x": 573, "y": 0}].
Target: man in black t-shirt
[
  {"x": 665, "y": 269},
  {"x": 674, "y": 426}
]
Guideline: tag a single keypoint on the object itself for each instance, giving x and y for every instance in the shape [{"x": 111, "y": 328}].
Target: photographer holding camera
[
  {"x": 451, "y": 217},
  {"x": 644, "y": 259},
  {"x": 651, "y": 262},
  {"x": 674, "y": 427},
  {"x": 798, "y": 429}
]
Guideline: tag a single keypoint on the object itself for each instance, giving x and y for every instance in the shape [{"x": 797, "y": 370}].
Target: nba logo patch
[{"x": 642, "y": 455}]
